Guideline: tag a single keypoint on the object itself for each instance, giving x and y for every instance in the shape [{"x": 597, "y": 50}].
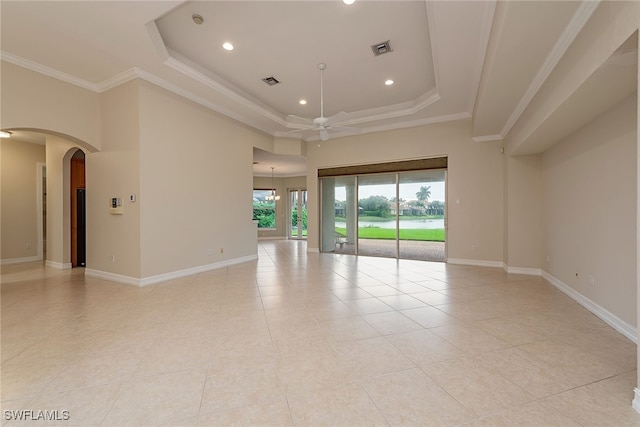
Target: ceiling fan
[{"x": 322, "y": 124}]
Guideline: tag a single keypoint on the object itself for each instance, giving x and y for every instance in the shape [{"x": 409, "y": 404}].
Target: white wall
[
  {"x": 19, "y": 228},
  {"x": 475, "y": 180},
  {"x": 589, "y": 210}
]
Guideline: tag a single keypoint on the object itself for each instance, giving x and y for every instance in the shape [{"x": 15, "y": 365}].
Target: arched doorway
[{"x": 78, "y": 204}]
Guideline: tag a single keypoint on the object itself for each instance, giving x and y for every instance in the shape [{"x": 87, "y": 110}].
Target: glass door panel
[
  {"x": 338, "y": 215},
  {"x": 298, "y": 214},
  {"x": 421, "y": 215},
  {"x": 377, "y": 214}
]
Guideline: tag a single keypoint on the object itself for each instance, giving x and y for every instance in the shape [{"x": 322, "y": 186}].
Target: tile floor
[{"x": 311, "y": 339}]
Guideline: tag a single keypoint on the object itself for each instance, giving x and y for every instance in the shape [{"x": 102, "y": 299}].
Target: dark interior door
[{"x": 81, "y": 209}]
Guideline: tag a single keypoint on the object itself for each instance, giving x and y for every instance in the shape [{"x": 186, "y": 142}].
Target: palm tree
[{"x": 424, "y": 194}]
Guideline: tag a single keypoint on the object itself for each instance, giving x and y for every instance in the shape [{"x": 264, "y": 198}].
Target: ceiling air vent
[
  {"x": 381, "y": 48},
  {"x": 271, "y": 81}
]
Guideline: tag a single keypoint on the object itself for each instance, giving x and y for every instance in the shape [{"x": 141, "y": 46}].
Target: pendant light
[{"x": 273, "y": 196}]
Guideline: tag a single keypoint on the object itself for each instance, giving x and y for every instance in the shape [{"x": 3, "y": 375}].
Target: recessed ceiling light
[
  {"x": 197, "y": 19},
  {"x": 227, "y": 46},
  {"x": 303, "y": 102},
  {"x": 388, "y": 82},
  {"x": 348, "y": 2}
]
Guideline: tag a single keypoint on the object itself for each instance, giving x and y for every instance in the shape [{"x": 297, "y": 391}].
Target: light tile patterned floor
[{"x": 311, "y": 339}]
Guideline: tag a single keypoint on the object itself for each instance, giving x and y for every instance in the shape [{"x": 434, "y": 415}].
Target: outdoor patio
[{"x": 409, "y": 249}]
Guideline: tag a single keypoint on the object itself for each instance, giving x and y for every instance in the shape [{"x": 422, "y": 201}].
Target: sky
[{"x": 407, "y": 191}]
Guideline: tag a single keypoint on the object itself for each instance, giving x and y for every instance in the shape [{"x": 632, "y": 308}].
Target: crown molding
[
  {"x": 48, "y": 71},
  {"x": 152, "y": 78},
  {"x": 187, "y": 67},
  {"x": 119, "y": 79},
  {"x": 487, "y": 25},
  {"x": 393, "y": 111},
  {"x": 569, "y": 34},
  {"x": 183, "y": 65},
  {"x": 487, "y": 138},
  {"x": 419, "y": 122},
  {"x": 431, "y": 23},
  {"x": 387, "y": 127}
]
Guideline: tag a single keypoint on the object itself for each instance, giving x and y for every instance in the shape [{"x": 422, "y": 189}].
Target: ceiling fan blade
[
  {"x": 324, "y": 134},
  {"x": 296, "y": 130},
  {"x": 299, "y": 127},
  {"x": 346, "y": 129},
  {"x": 299, "y": 120},
  {"x": 337, "y": 117}
]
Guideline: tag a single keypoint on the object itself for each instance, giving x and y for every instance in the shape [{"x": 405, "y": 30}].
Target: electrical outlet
[
  {"x": 210, "y": 251},
  {"x": 474, "y": 248},
  {"x": 112, "y": 258},
  {"x": 27, "y": 246},
  {"x": 591, "y": 280}
]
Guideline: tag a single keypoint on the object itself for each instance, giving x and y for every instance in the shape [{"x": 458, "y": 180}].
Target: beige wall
[
  {"x": 589, "y": 210},
  {"x": 34, "y": 101},
  {"x": 115, "y": 172},
  {"x": 523, "y": 207},
  {"x": 474, "y": 188},
  {"x": 196, "y": 184},
  {"x": 19, "y": 228}
]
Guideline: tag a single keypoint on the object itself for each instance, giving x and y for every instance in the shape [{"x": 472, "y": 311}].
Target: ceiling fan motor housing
[{"x": 320, "y": 121}]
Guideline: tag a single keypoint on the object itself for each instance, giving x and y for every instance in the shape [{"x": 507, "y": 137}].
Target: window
[{"x": 264, "y": 211}]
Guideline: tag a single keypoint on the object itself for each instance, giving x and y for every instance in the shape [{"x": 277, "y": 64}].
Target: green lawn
[
  {"x": 432, "y": 235},
  {"x": 392, "y": 218}
]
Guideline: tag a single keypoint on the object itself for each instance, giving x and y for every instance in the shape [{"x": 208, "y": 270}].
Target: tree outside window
[{"x": 264, "y": 211}]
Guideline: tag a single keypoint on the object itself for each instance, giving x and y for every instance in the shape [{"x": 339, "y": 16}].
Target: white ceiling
[{"x": 451, "y": 59}]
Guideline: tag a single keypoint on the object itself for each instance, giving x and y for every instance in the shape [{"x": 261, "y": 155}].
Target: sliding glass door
[
  {"x": 396, "y": 215},
  {"x": 421, "y": 215},
  {"x": 377, "y": 215}
]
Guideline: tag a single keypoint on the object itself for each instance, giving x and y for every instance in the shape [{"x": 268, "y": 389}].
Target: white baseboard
[
  {"x": 112, "y": 277},
  {"x": 474, "y": 262},
  {"x": 58, "y": 265},
  {"x": 636, "y": 400},
  {"x": 522, "y": 270},
  {"x": 9, "y": 261},
  {"x": 611, "y": 319},
  {"x": 128, "y": 280}
]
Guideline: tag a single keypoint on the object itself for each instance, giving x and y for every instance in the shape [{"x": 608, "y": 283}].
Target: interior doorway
[
  {"x": 297, "y": 213},
  {"x": 78, "y": 209}
]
